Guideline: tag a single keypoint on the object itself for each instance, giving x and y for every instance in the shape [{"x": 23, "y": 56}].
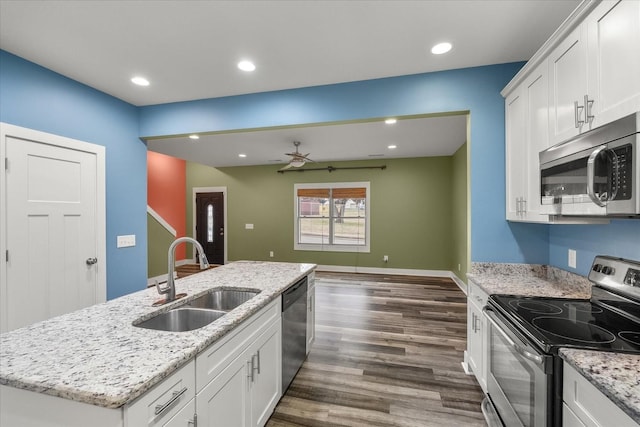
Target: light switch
[
  {"x": 572, "y": 258},
  {"x": 126, "y": 241},
  {"x": 248, "y": 226}
]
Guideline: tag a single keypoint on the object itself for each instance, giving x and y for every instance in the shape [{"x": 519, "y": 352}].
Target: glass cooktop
[{"x": 555, "y": 322}]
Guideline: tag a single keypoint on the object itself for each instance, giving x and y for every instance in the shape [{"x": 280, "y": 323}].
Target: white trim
[
  {"x": 223, "y": 190},
  {"x": 366, "y": 248},
  {"x": 394, "y": 272},
  {"x": 162, "y": 221},
  {"x": 163, "y": 277},
  {"x": 8, "y": 130}
]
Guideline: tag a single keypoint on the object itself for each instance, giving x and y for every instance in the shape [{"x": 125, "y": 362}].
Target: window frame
[{"x": 329, "y": 247}]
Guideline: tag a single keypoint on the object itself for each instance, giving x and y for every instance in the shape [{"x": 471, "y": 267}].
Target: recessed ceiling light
[
  {"x": 140, "y": 81},
  {"x": 392, "y": 147},
  {"x": 242, "y": 155},
  {"x": 390, "y": 121},
  {"x": 194, "y": 136},
  {"x": 441, "y": 48},
  {"x": 246, "y": 66}
]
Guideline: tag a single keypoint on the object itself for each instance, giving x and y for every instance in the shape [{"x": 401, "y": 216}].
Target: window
[{"x": 332, "y": 217}]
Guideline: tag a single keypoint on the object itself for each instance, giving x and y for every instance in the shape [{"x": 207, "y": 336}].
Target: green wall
[
  {"x": 411, "y": 211},
  {"x": 159, "y": 240},
  {"x": 460, "y": 214}
]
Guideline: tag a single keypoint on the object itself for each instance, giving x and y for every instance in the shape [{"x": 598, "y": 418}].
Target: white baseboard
[{"x": 394, "y": 271}]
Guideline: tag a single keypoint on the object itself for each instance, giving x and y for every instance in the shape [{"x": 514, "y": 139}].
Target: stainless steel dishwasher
[{"x": 294, "y": 331}]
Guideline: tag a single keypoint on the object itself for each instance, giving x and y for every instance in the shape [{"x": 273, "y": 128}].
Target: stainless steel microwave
[{"x": 594, "y": 174}]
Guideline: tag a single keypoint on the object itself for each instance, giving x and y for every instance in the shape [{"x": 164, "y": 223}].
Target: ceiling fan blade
[{"x": 287, "y": 166}]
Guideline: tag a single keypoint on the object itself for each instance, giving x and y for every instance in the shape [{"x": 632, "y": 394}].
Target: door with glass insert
[{"x": 210, "y": 225}]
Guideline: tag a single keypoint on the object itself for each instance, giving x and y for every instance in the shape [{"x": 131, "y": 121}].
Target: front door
[
  {"x": 52, "y": 232},
  {"x": 210, "y": 225}
]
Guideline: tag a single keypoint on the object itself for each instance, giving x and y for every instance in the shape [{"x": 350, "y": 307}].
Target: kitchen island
[{"x": 95, "y": 356}]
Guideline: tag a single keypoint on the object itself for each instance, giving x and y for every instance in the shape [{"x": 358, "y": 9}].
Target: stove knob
[
  {"x": 597, "y": 268},
  {"x": 607, "y": 270}
]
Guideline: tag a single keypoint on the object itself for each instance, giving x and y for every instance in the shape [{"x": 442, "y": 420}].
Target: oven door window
[{"x": 521, "y": 382}]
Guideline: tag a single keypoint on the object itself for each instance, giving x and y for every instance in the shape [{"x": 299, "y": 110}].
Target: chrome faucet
[{"x": 170, "y": 287}]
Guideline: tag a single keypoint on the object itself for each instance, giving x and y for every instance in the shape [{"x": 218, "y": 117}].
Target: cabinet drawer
[
  {"x": 211, "y": 361},
  {"x": 157, "y": 406},
  {"x": 589, "y": 404},
  {"x": 477, "y": 295}
]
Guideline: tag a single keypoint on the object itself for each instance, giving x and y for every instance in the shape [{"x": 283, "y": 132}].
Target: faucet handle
[{"x": 161, "y": 289}]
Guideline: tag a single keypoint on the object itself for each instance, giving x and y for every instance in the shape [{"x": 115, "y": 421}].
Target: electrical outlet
[
  {"x": 458, "y": 267},
  {"x": 572, "y": 258},
  {"x": 385, "y": 258},
  {"x": 270, "y": 254},
  {"x": 126, "y": 241}
]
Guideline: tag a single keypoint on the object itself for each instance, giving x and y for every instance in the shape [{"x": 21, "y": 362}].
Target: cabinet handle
[
  {"x": 250, "y": 369},
  {"x": 258, "y": 357},
  {"x": 194, "y": 421},
  {"x": 523, "y": 206},
  {"x": 174, "y": 398},
  {"x": 578, "y": 110},
  {"x": 588, "y": 117}
]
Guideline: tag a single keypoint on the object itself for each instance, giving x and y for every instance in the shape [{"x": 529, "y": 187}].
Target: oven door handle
[{"x": 536, "y": 358}]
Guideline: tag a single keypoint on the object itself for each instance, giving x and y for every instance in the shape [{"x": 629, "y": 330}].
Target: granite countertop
[
  {"x": 616, "y": 375},
  {"x": 529, "y": 280},
  {"x": 95, "y": 355}
]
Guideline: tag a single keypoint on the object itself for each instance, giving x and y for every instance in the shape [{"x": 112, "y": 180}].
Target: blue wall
[
  {"x": 473, "y": 89},
  {"x": 37, "y": 98}
]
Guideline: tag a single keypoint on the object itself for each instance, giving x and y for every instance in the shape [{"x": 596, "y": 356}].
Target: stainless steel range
[{"x": 525, "y": 372}]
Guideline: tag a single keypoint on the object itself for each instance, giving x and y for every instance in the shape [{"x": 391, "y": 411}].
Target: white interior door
[{"x": 54, "y": 237}]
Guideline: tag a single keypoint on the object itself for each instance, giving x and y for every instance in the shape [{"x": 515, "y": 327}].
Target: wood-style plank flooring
[{"x": 388, "y": 352}]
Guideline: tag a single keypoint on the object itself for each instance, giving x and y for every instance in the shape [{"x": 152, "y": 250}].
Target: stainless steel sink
[
  {"x": 222, "y": 299},
  {"x": 181, "y": 319}
]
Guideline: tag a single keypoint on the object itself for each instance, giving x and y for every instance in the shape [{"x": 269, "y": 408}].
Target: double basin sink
[{"x": 198, "y": 312}]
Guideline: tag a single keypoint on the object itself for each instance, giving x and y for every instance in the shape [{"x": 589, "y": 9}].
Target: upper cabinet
[
  {"x": 586, "y": 75},
  {"x": 613, "y": 60},
  {"x": 594, "y": 71},
  {"x": 527, "y": 121}
]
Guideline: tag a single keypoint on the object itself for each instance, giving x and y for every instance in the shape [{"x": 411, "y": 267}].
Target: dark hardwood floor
[{"x": 388, "y": 352}]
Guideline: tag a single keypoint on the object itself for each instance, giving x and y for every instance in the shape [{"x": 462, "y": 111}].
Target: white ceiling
[
  {"x": 415, "y": 137},
  {"x": 189, "y": 49}
]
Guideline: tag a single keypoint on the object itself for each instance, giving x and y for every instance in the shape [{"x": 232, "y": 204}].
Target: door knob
[{"x": 91, "y": 261}]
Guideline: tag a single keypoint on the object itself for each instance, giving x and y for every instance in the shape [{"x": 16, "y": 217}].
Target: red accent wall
[{"x": 166, "y": 192}]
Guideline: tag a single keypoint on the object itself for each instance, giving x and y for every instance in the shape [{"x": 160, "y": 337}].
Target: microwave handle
[
  {"x": 539, "y": 360},
  {"x": 591, "y": 175}
]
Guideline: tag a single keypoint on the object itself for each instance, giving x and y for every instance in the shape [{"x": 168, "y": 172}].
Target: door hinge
[{"x": 7, "y": 255}]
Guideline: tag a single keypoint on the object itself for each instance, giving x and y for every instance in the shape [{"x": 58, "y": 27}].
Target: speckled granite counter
[
  {"x": 96, "y": 356},
  {"x": 616, "y": 375},
  {"x": 529, "y": 280}
]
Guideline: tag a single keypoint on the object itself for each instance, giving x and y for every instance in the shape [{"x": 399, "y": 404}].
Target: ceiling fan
[{"x": 297, "y": 158}]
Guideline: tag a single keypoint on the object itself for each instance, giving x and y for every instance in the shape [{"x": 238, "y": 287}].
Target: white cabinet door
[
  {"x": 515, "y": 152},
  {"x": 225, "y": 400},
  {"x": 588, "y": 404},
  {"x": 265, "y": 389},
  {"x": 476, "y": 333},
  {"x": 567, "y": 85},
  {"x": 536, "y": 94},
  {"x": 613, "y": 30}
]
